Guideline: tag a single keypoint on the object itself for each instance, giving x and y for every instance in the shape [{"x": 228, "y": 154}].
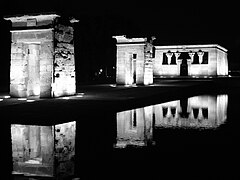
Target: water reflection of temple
[
  {"x": 43, "y": 150},
  {"x": 135, "y": 127}
]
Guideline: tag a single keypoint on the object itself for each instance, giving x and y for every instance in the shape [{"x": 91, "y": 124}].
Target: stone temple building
[
  {"x": 190, "y": 60},
  {"x": 139, "y": 62},
  {"x": 134, "y": 61},
  {"x": 42, "y": 56}
]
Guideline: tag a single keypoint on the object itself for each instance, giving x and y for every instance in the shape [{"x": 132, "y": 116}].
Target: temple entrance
[
  {"x": 134, "y": 70},
  {"x": 33, "y": 69},
  {"x": 184, "y": 66}
]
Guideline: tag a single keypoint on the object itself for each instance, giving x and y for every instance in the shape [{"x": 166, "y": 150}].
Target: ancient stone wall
[
  {"x": 217, "y": 63},
  {"x": 19, "y": 60},
  {"x": 222, "y": 63},
  {"x": 64, "y": 63},
  {"x": 124, "y": 63}
]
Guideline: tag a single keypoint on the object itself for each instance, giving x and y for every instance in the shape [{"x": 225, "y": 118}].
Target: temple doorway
[
  {"x": 184, "y": 66},
  {"x": 33, "y": 69},
  {"x": 134, "y": 70}
]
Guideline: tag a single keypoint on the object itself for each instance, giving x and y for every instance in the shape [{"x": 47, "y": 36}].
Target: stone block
[
  {"x": 18, "y": 90},
  {"x": 43, "y": 68},
  {"x": 45, "y": 78},
  {"x": 47, "y": 22},
  {"x": 45, "y": 91},
  {"x": 49, "y": 68},
  {"x": 24, "y": 36},
  {"x": 45, "y": 35}
]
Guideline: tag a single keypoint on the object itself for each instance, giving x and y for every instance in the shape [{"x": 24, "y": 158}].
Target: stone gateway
[{"x": 42, "y": 56}]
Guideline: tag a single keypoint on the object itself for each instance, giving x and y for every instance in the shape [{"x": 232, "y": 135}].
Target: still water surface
[{"x": 188, "y": 137}]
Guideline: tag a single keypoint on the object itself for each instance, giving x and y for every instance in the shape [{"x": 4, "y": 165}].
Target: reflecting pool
[
  {"x": 187, "y": 137},
  {"x": 135, "y": 127}
]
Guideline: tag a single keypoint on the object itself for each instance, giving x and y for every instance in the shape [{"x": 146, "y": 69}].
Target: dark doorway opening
[{"x": 184, "y": 66}]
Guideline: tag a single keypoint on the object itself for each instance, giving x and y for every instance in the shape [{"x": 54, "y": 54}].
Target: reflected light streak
[
  {"x": 66, "y": 98},
  {"x": 30, "y": 100}
]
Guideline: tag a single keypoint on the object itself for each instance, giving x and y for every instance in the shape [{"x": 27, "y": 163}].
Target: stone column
[
  {"x": 177, "y": 54},
  {"x": 189, "y": 62},
  {"x": 179, "y": 62},
  {"x": 169, "y": 112},
  {"x": 169, "y": 56},
  {"x": 200, "y": 115},
  {"x": 191, "y": 54},
  {"x": 200, "y": 55}
]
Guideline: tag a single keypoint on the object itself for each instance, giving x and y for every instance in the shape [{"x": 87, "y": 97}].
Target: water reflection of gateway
[
  {"x": 134, "y": 127},
  {"x": 43, "y": 150}
]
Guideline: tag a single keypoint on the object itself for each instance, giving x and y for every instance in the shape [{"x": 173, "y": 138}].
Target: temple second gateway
[{"x": 138, "y": 61}]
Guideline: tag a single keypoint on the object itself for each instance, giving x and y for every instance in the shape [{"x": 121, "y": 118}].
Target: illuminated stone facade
[
  {"x": 134, "y": 61},
  {"x": 138, "y": 61},
  {"x": 44, "y": 150},
  {"x": 190, "y": 60},
  {"x": 135, "y": 127},
  {"x": 42, "y": 56}
]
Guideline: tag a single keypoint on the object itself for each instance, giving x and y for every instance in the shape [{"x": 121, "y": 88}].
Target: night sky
[{"x": 195, "y": 22}]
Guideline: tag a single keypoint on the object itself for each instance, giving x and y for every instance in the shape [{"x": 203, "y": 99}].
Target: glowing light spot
[
  {"x": 1, "y": 99},
  {"x": 22, "y": 99},
  {"x": 36, "y": 90},
  {"x": 66, "y": 98},
  {"x": 205, "y": 76},
  {"x": 30, "y": 100},
  {"x": 112, "y": 85},
  {"x": 6, "y": 97},
  {"x": 80, "y": 94}
]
